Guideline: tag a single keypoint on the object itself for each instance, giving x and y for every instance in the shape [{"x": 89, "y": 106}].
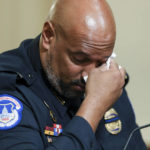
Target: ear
[{"x": 48, "y": 35}]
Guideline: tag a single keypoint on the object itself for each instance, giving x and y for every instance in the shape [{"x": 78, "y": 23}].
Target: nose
[{"x": 87, "y": 69}]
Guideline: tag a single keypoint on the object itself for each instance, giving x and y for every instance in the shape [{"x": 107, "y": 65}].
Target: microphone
[{"x": 131, "y": 134}]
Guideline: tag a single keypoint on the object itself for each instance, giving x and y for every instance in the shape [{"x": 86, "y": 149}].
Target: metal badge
[
  {"x": 52, "y": 115},
  {"x": 49, "y": 139},
  {"x": 112, "y": 122}
]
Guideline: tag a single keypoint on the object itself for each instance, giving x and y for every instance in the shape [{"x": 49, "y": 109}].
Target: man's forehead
[
  {"x": 94, "y": 54},
  {"x": 91, "y": 46}
]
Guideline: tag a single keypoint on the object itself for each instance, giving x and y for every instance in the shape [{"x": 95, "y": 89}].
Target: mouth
[{"x": 79, "y": 87}]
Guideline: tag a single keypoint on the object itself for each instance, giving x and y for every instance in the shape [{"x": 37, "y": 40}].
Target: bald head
[
  {"x": 90, "y": 17},
  {"x": 78, "y": 36}
]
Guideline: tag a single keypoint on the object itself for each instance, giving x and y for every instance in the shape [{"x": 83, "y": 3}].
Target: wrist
[{"x": 91, "y": 112}]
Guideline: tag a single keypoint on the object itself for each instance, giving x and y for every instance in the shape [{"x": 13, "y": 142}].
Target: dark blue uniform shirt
[{"x": 23, "y": 84}]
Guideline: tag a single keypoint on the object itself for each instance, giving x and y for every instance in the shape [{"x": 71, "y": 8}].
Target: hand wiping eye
[{"x": 113, "y": 55}]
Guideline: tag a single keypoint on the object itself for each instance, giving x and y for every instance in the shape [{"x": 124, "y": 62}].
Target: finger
[
  {"x": 113, "y": 65},
  {"x": 123, "y": 74},
  {"x": 103, "y": 67}
]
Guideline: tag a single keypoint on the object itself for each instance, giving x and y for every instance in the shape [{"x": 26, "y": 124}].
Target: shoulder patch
[{"x": 10, "y": 111}]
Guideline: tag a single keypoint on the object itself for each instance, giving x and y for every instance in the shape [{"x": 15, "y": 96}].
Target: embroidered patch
[{"x": 10, "y": 111}]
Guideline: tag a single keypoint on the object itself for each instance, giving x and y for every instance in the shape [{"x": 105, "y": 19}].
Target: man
[{"x": 45, "y": 103}]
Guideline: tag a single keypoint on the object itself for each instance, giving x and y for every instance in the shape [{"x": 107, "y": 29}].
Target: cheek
[
  {"x": 67, "y": 69},
  {"x": 71, "y": 71},
  {"x": 63, "y": 67}
]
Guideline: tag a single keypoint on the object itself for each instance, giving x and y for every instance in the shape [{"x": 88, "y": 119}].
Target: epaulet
[{"x": 8, "y": 80}]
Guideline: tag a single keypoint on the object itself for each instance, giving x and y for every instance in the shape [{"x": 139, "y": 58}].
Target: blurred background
[{"x": 21, "y": 19}]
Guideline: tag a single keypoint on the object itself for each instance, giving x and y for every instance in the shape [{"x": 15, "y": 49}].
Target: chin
[{"x": 73, "y": 94}]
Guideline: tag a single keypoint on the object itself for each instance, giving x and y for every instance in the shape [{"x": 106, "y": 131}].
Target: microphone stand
[{"x": 133, "y": 131}]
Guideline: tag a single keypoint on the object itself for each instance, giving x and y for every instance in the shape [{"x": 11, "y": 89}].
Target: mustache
[{"x": 78, "y": 82}]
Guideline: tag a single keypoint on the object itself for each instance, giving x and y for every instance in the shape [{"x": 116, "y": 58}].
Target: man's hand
[{"x": 103, "y": 88}]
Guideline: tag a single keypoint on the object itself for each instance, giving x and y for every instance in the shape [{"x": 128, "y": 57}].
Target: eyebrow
[
  {"x": 81, "y": 53},
  {"x": 86, "y": 55}
]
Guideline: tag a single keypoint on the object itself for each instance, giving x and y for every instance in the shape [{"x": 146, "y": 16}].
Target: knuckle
[{"x": 93, "y": 71}]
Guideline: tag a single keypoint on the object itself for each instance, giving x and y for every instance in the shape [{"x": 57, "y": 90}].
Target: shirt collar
[{"x": 34, "y": 55}]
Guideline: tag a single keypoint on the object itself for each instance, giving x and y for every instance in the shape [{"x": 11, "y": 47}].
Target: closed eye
[{"x": 82, "y": 61}]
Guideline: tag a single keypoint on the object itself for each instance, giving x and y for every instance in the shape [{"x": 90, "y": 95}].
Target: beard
[{"x": 64, "y": 89}]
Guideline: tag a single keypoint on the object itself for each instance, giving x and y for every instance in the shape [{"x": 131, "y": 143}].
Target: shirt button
[{"x": 30, "y": 76}]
